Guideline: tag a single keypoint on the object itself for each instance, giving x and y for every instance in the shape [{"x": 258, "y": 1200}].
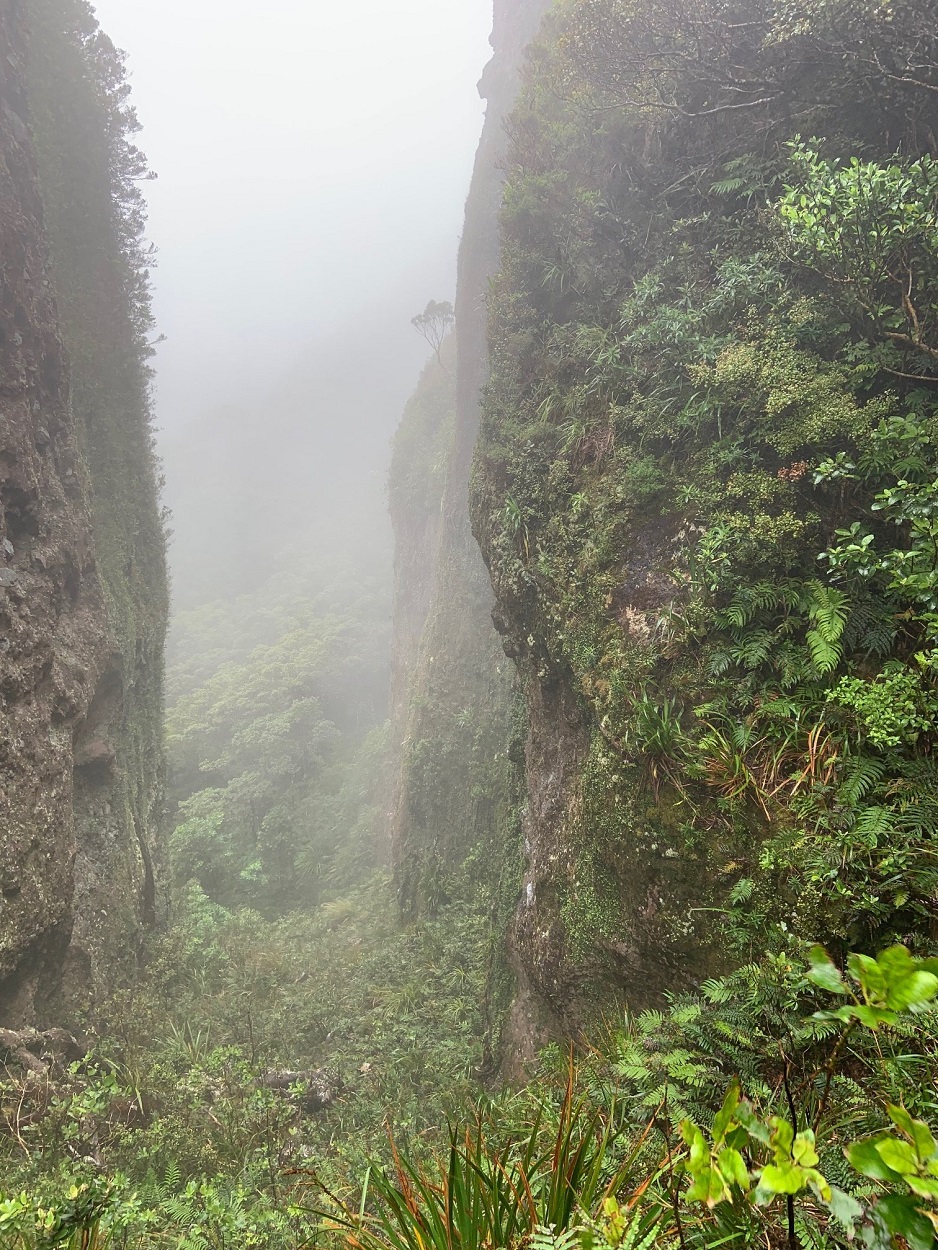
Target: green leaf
[
  {"x": 917, "y": 1130},
  {"x": 819, "y": 1183},
  {"x": 870, "y": 976},
  {"x": 844, "y": 1208},
  {"x": 824, "y": 972},
  {"x": 901, "y": 1217},
  {"x": 724, "y": 1117},
  {"x": 708, "y": 1187},
  {"x": 906, "y": 983},
  {"x": 755, "y": 1127},
  {"x": 873, "y": 1017},
  {"x": 803, "y": 1150},
  {"x": 782, "y": 1178},
  {"x": 696, "y": 1144},
  {"x": 782, "y": 1137},
  {"x": 867, "y": 1160},
  {"x": 924, "y": 1186},
  {"x": 913, "y": 991},
  {"x": 733, "y": 1168},
  {"x": 898, "y": 1155}
]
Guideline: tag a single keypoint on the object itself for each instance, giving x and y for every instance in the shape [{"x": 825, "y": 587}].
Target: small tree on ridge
[{"x": 434, "y": 323}]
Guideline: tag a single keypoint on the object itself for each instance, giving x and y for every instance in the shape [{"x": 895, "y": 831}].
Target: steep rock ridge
[
  {"x": 90, "y": 171},
  {"x": 669, "y": 376},
  {"x": 455, "y": 823},
  {"x": 422, "y": 445},
  {"x": 74, "y": 852},
  {"x": 54, "y": 624}
]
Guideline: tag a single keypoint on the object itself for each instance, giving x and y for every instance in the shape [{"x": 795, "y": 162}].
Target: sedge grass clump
[{"x": 553, "y": 1182}]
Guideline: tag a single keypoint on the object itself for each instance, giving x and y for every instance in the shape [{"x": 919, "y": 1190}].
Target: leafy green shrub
[{"x": 893, "y": 709}]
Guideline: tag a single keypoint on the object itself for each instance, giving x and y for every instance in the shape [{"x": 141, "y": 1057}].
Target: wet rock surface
[
  {"x": 24, "y": 1051},
  {"x": 75, "y": 879}
]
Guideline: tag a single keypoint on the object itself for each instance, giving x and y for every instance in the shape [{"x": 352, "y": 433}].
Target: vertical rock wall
[
  {"x": 459, "y": 797},
  {"x": 75, "y": 861},
  {"x": 89, "y": 172}
]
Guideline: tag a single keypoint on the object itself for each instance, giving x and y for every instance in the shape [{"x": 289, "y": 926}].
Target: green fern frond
[
  {"x": 828, "y": 609},
  {"x": 544, "y": 1238},
  {"x": 861, "y": 773},
  {"x": 726, "y": 186},
  {"x": 825, "y": 655},
  {"x": 171, "y": 1180}
]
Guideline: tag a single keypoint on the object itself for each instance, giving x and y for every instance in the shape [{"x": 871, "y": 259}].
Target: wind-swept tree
[{"x": 434, "y": 323}]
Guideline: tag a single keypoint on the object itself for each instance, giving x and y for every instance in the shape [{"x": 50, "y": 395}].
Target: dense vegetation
[
  {"x": 705, "y": 485},
  {"x": 707, "y": 491},
  {"x": 277, "y": 699}
]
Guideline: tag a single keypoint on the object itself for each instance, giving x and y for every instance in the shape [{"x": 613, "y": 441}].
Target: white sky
[{"x": 313, "y": 160}]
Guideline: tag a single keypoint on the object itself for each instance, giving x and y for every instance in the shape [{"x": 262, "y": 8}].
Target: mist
[
  {"x": 310, "y": 164},
  {"x": 311, "y": 171}
]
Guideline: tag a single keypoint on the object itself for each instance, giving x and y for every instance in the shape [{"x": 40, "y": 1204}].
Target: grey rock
[{"x": 319, "y": 1087}]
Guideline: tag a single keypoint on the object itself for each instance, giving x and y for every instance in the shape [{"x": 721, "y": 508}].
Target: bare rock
[
  {"x": 38, "y": 1052},
  {"x": 311, "y": 1089}
]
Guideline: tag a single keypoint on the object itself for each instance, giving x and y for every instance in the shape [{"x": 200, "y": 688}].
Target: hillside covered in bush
[{"x": 705, "y": 485}]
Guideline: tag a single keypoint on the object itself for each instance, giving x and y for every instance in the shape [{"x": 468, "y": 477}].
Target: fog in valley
[
  {"x": 312, "y": 162},
  {"x": 312, "y": 165}
]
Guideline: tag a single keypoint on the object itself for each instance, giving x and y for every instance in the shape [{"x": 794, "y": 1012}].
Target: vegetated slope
[
  {"x": 276, "y": 736},
  {"x": 85, "y": 591},
  {"x": 704, "y": 486},
  {"x": 455, "y": 827},
  {"x": 286, "y": 1017}
]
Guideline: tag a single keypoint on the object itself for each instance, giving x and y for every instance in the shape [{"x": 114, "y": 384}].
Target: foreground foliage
[{"x": 735, "y": 1118}]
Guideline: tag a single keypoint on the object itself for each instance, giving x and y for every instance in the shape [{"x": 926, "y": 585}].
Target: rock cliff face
[
  {"x": 455, "y": 707},
  {"x": 78, "y": 807}
]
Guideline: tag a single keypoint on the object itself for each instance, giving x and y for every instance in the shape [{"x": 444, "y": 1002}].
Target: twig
[
  {"x": 829, "y": 1073},
  {"x": 790, "y": 1199},
  {"x": 675, "y": 1204}
]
